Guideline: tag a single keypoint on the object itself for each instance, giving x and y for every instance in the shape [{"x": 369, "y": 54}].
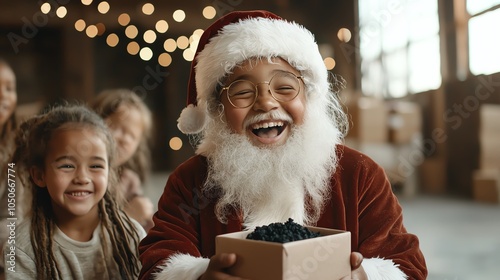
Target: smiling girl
[{"x": 76, "y": 230}]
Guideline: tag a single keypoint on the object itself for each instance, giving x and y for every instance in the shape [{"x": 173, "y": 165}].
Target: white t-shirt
[{"x": 76, "y": 260}]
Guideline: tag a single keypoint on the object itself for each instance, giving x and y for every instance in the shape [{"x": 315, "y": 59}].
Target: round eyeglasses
[{"x": 283, "y": 86}]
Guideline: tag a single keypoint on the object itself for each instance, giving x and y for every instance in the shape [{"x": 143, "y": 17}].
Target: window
[
  {"x": 399, "y": 47},
  {"x": 484, "y": 41}
]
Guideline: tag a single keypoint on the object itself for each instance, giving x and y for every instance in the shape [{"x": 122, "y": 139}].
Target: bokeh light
[
  {"x": 146, "y": 54},
  {"x": 179, "y": 15},
  {"x": 175, "y": 143},
  {"x": 131, "y": 31},
  {"x": 329, "y": 63},
  {"x": 182, "y": 42},
  {"x": 91, "y": 31},
  {"x": 149, "y": 36},
  {"x": 80, "y": 25},
  {"x": 124, "y": 19},
  {"x": 100, "y": 28},
  {"x": 133, "y": 48},
  {"x": 209, "y": 12},
  {"x": 170, "y": 45},
  {"x": 344, "y": 35},
  {"x": 61, "y": 12},
  {"x": 148, "y": 9},
  {"x": 112, "y": 40},
  {"x": 103, "y": 7},
  {"x": 164, "y": 59},
  {"x": 45, "y": 8},
  {"x": 161, "y": 26},
  {"x": 188, "y": 54}
]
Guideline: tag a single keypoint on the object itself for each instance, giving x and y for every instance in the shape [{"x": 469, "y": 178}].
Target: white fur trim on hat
[
  {"x": 192, "y": 119},
  {"x": 182, "y": 267},
  {"x": 382, "y": 269}
]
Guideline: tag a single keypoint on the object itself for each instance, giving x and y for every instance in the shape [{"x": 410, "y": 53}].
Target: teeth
[
  {"x": 79, "y": 193},
  {"x": 267, "y": 125}
]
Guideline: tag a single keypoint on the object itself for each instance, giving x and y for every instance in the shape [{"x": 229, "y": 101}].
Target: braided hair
[{"x": 32, "y": 141}]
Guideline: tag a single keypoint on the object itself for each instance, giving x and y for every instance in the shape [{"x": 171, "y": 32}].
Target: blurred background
[{"x": 423, "y": 93}]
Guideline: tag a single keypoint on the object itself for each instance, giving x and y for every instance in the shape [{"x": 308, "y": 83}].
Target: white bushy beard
[{"x": 272, "y": 184}]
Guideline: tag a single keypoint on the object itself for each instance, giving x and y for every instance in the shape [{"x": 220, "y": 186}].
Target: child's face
[
  {"x": 270, "y": 131},
  {"x": 8, "y": 94},
  {"x": 76, "y": 172},
  {"x": 127, "y": 127}
]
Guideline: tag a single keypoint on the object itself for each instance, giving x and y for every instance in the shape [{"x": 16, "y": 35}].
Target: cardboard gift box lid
[{"x": 323, "y": 257}]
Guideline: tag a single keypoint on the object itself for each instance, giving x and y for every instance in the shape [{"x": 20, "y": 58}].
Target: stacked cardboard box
[
  {"x": 388, "y": 132},
  {"x": 405, "y": 122},
  {"x": 486, "y": 180},
  {"x": 487, "y": 185},
  {"x": 432, "y": 175},
  {"x": 368, "y": 120}
]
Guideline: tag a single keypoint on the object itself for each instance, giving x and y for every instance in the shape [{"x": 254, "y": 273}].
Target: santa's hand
[
  {"x": 357, "y": 271},
  {"x": 216, "y": 267}
]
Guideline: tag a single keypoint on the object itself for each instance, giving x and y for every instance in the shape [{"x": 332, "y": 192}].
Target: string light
[
  {"x": 188, "y": 54},
  {"x": 146, "y": 54},
  {"x": 80, "y": 25},
  {"x": 124, "y": 19},
  {"x": 182, "y": 42},
  {"x": 45, "y": 8},
  {"x": 103, "y": 7},
  {"x": 209, "y": 12},
  {"x": 131, "y": 31},
  {"x": 186, "y": 43},
  {"x": 170, "y": 45},
  {"x": 148, "y": 9},
  {"x": 61, "y": 12},
  {"x": 112, "y": 40},
  {"x": 175, "y": 143},
  {"x": 179, "y": 15},
  {"x": 344, "y": 35},
  {"x": 91, "y": 31},
  {"x": 133, "y": 48},
  {"x": 329, "y": 63},
  {"x": 161, "y": 26},
  {"x": 164, "y": 59},
  {"x": 100, "y": 28},
  {"x": 149, "y": 36}
]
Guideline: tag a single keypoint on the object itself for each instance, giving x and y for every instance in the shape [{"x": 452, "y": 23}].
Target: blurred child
[
  {"x": 76, "y": 229},
  {"x": 130, "y": 122},
  {"x": 8, "y": 102}
]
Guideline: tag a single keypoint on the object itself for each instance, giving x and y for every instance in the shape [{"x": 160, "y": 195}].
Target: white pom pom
[{"x": 191, "y": 120}]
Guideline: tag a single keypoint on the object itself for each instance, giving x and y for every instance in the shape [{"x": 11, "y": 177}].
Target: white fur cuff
[
  {"x": 182, "y": 267},
  {"x": 382, "y": 269}
]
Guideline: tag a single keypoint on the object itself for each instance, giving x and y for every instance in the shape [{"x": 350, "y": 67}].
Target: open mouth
[{"x": 268, "y": 129}]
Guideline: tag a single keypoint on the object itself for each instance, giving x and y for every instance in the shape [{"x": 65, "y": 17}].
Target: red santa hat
[{"x": 239, "y": 36}]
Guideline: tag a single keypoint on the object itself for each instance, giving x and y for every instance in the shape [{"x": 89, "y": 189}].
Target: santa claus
[{"x": 268, "y": 130}]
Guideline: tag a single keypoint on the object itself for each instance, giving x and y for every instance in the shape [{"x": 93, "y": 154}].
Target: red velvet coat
[{"x": 362, "y": 202}]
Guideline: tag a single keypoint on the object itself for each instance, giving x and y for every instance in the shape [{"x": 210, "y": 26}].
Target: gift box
[{"x": 323, "y": 257}]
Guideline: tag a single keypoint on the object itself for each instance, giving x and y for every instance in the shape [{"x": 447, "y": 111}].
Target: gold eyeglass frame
[{"x": 256, "y": 95}]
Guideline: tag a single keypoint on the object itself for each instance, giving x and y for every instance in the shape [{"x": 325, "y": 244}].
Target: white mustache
[{"x": 272, "y": 115}]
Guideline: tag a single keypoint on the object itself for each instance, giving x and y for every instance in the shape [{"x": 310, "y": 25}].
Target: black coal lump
[{"x": 282, "y": 232}]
